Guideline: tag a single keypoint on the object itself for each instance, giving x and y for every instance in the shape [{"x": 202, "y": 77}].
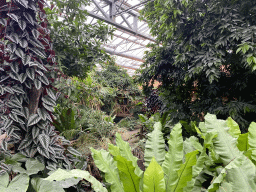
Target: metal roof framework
[{"x": 131, "y": 35}]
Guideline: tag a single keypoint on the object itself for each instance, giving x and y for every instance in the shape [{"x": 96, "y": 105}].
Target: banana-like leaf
[
  {"x": 62, "y": 175},
  {"x": 234, "y": 130},
  {"x": 155, "y": 146},
  {"x": 185, "y": 172},
  {"x": 106, "y": 164},
  {"x": 153, "y": 180},
  {"x": 225, "y": 147},
  {"x": 173, "y": 158},
  {"x": 125, "y": 151},
  {"x": 126, "y": 172}
]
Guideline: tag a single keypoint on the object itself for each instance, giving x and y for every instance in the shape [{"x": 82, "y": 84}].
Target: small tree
[
  {"x": 207, "y": 58},
  {"x": 26, "y": 73}
]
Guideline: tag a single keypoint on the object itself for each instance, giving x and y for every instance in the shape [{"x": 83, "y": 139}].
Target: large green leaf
[
  {"x": 200, "y": 164},
  {"x": 153, "y": 180},
  {"x": 173, "y": 159},
  {"x": 234, "y": 128},
  {"x": 106, "y": 164},
  {"x": 126, "y": 172},
  {"x": 41, "y": 185},
  {"x": 185, "y": 172},
  {"x": 155, "y": 146},
  {"x": 61, "y": 175},
  {"x": 218, "y": 180},
  {"x": 242, "y": 142},
  {"x": 113, "y": 150},
  {"x": 252, "y": 136},
  {"x": 19, "y": 183},
  {"x": 4, "y": 178},
  {"x": 225, "y": 147},
  {"x": 125, "y": 151}
]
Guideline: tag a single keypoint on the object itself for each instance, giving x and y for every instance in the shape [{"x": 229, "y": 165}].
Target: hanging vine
[{"x": 27, "y": 99}]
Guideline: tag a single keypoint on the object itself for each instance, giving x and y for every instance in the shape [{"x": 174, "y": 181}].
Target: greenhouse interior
[{"x": 127, "y": 96}]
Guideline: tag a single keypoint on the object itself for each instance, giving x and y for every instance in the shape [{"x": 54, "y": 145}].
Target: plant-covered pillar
[{"x": 26, "y": 73}]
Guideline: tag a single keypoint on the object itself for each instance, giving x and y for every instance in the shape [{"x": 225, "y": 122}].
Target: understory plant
[
  {"x": 220, "y": 158},
  {"x": 29, "y": 175}
]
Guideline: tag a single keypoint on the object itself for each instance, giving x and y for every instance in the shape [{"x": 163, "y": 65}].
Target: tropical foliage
[
  {"x": 76, "y": 43},
  {"x": 204, "y": 58},
  {"x": 27, "y": 98},
  {"x": 28, "y": 174},
  {"x": 214, "y": 160}
]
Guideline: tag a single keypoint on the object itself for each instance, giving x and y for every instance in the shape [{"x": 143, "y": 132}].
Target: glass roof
[{"x": 131, "y": 36}]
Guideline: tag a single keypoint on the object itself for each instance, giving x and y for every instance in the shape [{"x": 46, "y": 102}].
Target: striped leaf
[
  {"x": 3, "y": 21},
  {"x": 22, "y": 24},
  {"x": 18, "y": 90},
  {"x": 29, "y": 18},
  {"x": 13, "y": 17},
  {"x": 48, "y": 101},
  {"x": 44, "y": 79},
  {"x": 26, "y": 59},
  {"x": 18, "y": 112},
  {"x": 24, "y": 3},
  {"x": 40, "y": 66},
  {"x": 73, "y": 151},
  {"x": 33, "y": 119},
  {"x": 39, "y": 71},
  {"x": 32, "y": 6},
  {"x": 14, "y": 117},
  {"x": 19, "y": 53},
  {"x": 14, "y": 76},
  {"x": 16, "y": 38},
  {"x": 44, "y": 140},
  {"x": 4, "y": 145},
  {"x": 22, "y": 77},
  {"x": 25, "y": 111},
  {"x": 38, "y": 84},
  {"x": 35, "y": 132},
  {"x": 23, "y": 43},
  {"x": 28, "y": 84},
  {"x": 7, "y": 123},
  {"x": 51, "y": 94},
  {"x": 48, "y": 107},
  {"x": 31, "y": 73},
  {"x": 9, "y": 90},
  {"x": 43, "y": 151},
  {"x": 12, "y": 47},
  {"x": 14, "y": 67},
  {"x": 37, "y": 43},
  {"x": 14, "y": 104},
  {"x": 38, "y": 52},
  {"x": 13, "y": 57},
  {"x": 42, "y": 113},
  {"x": 25, "y": 142},
  {"x": 35, "y": 33}
]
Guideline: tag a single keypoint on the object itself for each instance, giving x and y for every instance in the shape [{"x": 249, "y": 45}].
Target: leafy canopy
[{"x": 204, "y": 58}]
